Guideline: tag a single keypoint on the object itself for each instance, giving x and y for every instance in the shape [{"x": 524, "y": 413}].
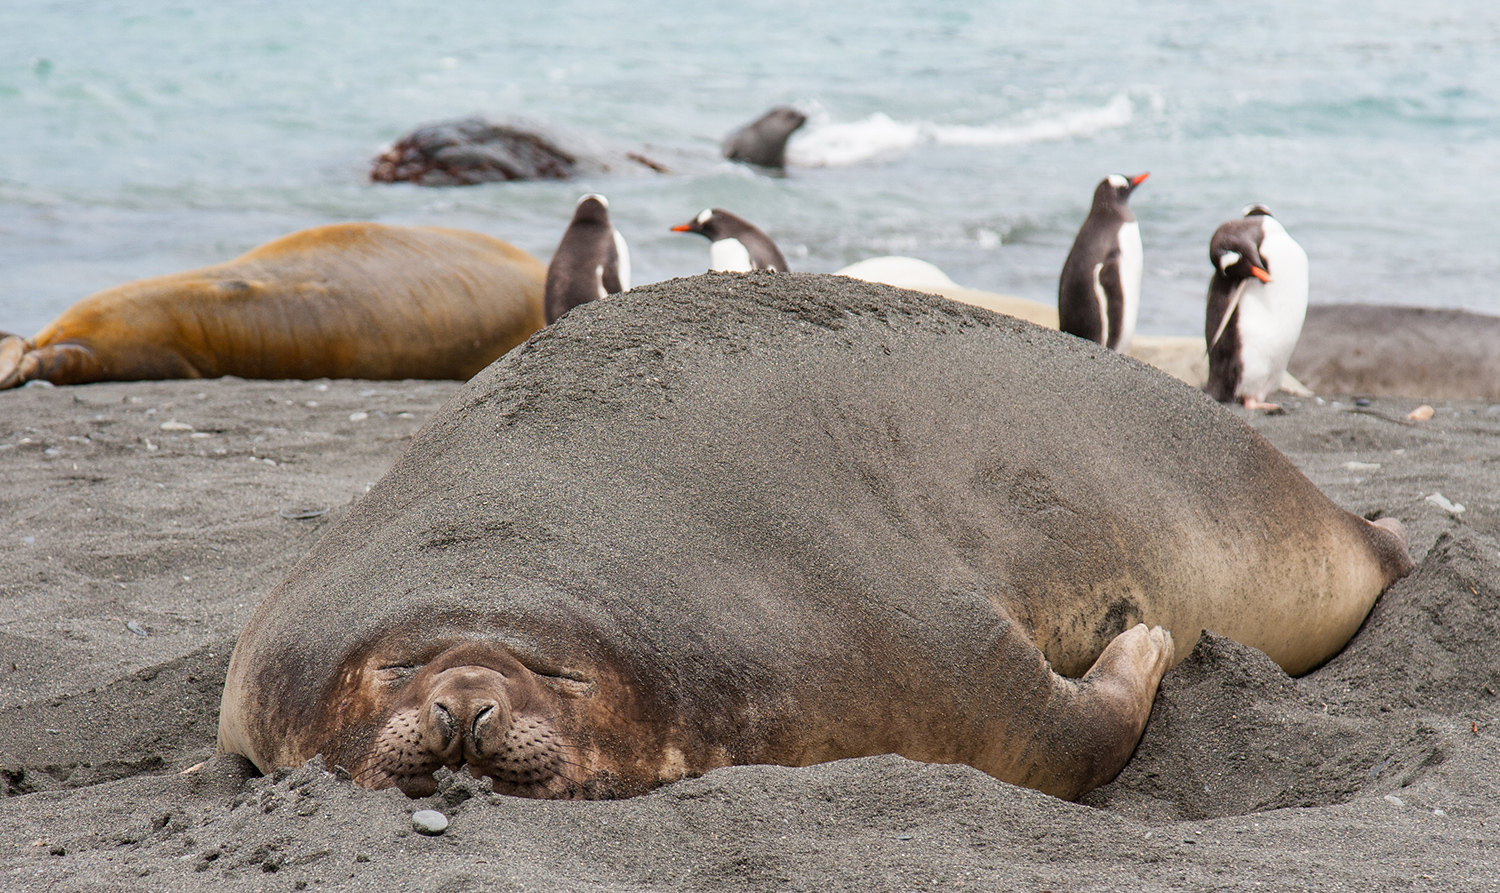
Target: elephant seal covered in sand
[
  {"x": 353, "y": 300},
  {"x": 788, "y": 518}
]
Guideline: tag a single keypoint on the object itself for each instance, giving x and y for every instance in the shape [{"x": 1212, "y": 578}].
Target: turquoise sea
[{"x": 149, "y": 136}]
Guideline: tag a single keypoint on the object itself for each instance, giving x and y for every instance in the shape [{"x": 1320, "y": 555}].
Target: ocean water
[{"x": 148, "y": 136}]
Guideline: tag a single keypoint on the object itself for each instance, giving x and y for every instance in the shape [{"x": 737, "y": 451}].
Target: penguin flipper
[{"x": 1111, "y": 293}]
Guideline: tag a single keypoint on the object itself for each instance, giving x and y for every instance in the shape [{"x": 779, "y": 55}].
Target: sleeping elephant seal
[
  {"x": 785, "y": 519},
  {"x": 354, "y": 300}
]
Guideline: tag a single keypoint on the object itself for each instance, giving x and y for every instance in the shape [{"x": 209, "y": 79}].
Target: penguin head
[
  {"x": 1236, "y": 256},
  {"x": 705, "y": 224},
  {"x": 1114, "y": 190},
  {"x": 592, "y": 208}
]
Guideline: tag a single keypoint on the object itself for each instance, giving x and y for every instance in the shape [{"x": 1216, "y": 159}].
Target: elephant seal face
[{"x": 473, "y": 705}]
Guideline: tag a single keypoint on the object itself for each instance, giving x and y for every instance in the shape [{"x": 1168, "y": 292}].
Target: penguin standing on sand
[
  {"x": 1099, "y": 293},
  {"x": 1257, "y": 300},
  {"x": 591, "y": 262},
  {"x": 737, "y": 245}
]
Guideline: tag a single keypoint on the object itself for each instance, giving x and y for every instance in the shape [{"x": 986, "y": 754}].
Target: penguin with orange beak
[
  {"x": 1099, "y": 293},
  {"x": 1257, "y": 300}
]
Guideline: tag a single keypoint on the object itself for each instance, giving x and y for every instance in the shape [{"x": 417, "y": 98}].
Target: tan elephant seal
[
  {"x": 785, "y": 519},
  {"x": 353, "y": 300}
]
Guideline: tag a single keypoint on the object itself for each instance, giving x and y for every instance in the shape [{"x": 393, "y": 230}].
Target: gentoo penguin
[
  {"x": 737, "y": 245},
  {"x": 1257, "y": 300},
  {"x": 1099, "y": 293},
  {"x": 591, "y": 261},
  {"x": 762, "y": 142}
]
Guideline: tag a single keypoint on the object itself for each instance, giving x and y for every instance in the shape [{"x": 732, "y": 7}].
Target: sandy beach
[{"x": 142, "y": 523}]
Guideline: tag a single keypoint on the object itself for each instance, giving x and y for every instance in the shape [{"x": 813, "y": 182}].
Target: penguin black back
[
  {"x": 738, "y": 244},
  {"x": 1099, "y": 290},
  {"x": 591, "y": 260}
]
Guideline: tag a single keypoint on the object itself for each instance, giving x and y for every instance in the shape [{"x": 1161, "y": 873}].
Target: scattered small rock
[
  {"x": 303, "y": 514},
  {"x": 1421, "y": 413},
  {"x": 137, "y": 629},
  {"x": 358, "y": 416},
  {"x": 1442, "y": 502},
  {"x": 429, "y": 821},
  {"x": 1394, "y": 800},
  {"x": 175, "y": 425},
  {"x": 1362, "y": 466}
]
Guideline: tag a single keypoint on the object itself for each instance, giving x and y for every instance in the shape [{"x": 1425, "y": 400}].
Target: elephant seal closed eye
[{"x": 785, "y": 519}]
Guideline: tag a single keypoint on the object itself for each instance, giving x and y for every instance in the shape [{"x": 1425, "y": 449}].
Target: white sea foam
[{"x": 835, "y": 144}]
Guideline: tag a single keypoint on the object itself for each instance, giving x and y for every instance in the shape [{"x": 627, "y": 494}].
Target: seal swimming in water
[
  {"x": 787, "y": 519},
  {"x": 352, "y": 300},
  {"x": 762, "y": 142}
]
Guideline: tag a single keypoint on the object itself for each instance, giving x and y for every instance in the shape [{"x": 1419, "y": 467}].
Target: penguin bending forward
[
  {"x": 737, "y": 245},
  {"x": 1257, "y": 300},
  {"x": 1099, "y": 293},
  {"x": 591, "y": 262}
]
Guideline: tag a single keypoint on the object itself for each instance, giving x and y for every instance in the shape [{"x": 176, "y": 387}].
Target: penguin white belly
[
  {"x": 622, "y": 260},
  {"x": 1271, "y": 314},
  {"x": 729, "y": 256},
  {"x": 1131, "y": 265}
]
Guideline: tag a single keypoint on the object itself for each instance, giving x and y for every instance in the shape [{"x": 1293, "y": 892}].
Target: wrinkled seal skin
[
  {"x": 354, "y": 300},
  {"x": 756, "y": 518}
]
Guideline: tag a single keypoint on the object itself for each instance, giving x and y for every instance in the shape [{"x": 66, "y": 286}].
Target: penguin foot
[{"x": 1252, "y": 403}]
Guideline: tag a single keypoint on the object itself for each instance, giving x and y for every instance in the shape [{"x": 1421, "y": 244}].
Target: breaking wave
[{"x": 832, "y": 145}]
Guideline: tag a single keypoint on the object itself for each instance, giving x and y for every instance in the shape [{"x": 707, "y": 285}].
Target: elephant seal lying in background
[
  {"x": 353, "y": 300},
  {"x": 1380, "y": 351},
  {"x": 790, "y": 518}
]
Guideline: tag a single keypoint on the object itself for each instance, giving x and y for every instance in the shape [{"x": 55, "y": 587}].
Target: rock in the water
[{"x": 473, "y": 150}]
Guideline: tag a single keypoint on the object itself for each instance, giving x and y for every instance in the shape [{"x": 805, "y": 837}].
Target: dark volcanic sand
[{"x": 131, "y": 555}]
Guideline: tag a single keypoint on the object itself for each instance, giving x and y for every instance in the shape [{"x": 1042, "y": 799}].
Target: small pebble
[
  {"x": 429, "y": 821},
  {"x": 1421, "y": 413},
  {"x": 1361, "y": 466},
  {"x": 1439, "y": 812},
  {"x": 1442, "y": 502},
  {"x": 175, "y": 425},
  {"x": 358, "y": 416},
  {"x": 137, "y": 629},
  {"x": 1361, "y": 402},
  {"x": 1393, "y": 799}
]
